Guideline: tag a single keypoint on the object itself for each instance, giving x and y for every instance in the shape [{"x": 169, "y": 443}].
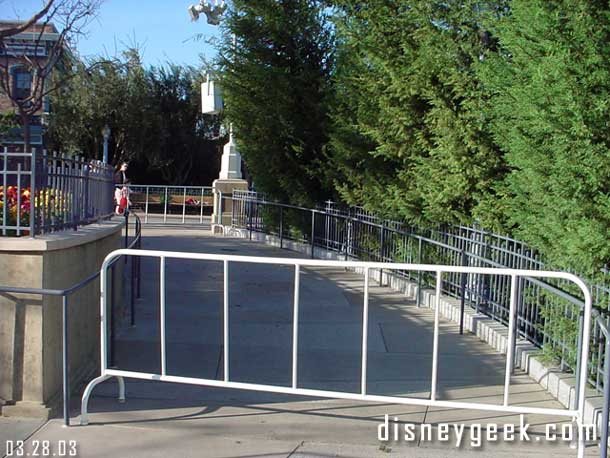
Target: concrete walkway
[{"x": 161, "y": 419}]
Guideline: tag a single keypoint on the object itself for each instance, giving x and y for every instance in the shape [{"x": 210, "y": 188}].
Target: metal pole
[
  {"x": 146, "y": 208},
  {"x": 201, "y": 207},
  {"x": 605, "y": 414},
  {"x": 463, "y": 291},
  {"x": 162, "y": 312},
  {"x": 250, "y": 208},
  {"x": 225, "y": 296},
  {"x": 365, "y": 331},
  {"x": 184, "y": 206},
  {"x": 381, "y": 252},
  {"x": 165, "y": 206},
  {"x": 281, "y": 227},
  {"x": 437, "y": 309},
  {"x": 313, "y": 232},
  {"x": 132, "y": 291},
  {"x": 32, "y": 194},
  {"x": 112, "y": 300},
  {"x": 65, "y": 355},
  {"x": 419, "y": 260},
  {"x": 511, "y": 336},
  {"x": 126, "y": 231},
  {"x": 578, "y": 353},
  {"x": 295, "y": 326},
  {"x": 139, "y": 262}
]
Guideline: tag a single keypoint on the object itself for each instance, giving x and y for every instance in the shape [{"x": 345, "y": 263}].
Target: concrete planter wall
[{"x": 31, "y": 325}]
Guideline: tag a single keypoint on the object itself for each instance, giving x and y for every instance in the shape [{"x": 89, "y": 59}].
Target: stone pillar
[
  {"x": 31, "y": 325},
  {"x": 229, "y": 180},
  {"x": 222, "y": 216}
]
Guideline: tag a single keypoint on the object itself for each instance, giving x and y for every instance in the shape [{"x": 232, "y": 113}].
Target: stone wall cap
[{"x": 63, "y": 239}]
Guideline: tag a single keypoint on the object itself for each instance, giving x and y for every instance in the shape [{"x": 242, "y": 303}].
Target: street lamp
[
  {"x": 106, "y": 134},
  {"x": 230, "y": 177},
  {"x": 230, "y": 164},
  {"x": 213, "y": 12}
]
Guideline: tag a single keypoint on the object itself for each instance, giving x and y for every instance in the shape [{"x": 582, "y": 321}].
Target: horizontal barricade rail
[{"x": 438, "y": 271}]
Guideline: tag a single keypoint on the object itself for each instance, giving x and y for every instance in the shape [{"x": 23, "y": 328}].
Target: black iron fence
[
  {"x": 41, "y": 192},
  {"x": 548, "y": 312}
]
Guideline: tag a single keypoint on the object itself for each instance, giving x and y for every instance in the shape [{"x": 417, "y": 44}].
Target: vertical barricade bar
[
  {"x": 381, "y": 252},
  {"x": 132, "y": 286},
  {"x": 201, "y": 207},
  {"x": 162, "y": 306},
  {"x": 295, "y": 326},
  {"x": 19, "y": 192},
  {"x": 578, "y": 352},
  {"x": 226, "y": 319},
  {"x": 65, "y": 355},
  {"x": 184, "y": 206},
  {"x": 165, "y": 207},
  {"x": 4, "y": 186},
  {"x": 103, "y": 319},
  {"x": 605, "y": 413},
  {"x": 281, "y": 227},
  {"x": 146, "y": 206},
  {"x": 365, "y": 329},
  {"x": 313, "y": 232},
  {"x": 511, "y": 335},
  {"x": 419, "y": 274},
  {"x": 463, "y": 278},
  {"x": 437, "y": 309}
]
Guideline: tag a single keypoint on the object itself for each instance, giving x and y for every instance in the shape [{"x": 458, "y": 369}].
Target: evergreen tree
[
  {"x": 410, "y": 131},
  {"x": 276, "y": 83},
  {"x": 551, "y": 86}
]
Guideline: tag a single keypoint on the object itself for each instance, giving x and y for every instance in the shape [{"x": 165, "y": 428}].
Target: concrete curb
[{"x": 559, "y": 384}]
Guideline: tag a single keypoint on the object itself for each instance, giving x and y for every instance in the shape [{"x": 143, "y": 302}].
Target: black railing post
[
  {"x": 381, "y": 252},
  {"x": 419, "y": 276},
  {"x": 605, "y": 414},
  {"x": 65, "y": 361},
  {"x": 281, "y": 227},
  {"x": 313, "y": 232},
  {"x": 250, "y": 210},
  {"x": 463, "y": 291}
]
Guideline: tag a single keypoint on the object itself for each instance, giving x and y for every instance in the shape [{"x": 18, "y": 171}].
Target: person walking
[{"x": 121, "y": 193}]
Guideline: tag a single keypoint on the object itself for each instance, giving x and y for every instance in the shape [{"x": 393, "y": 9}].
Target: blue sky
[{"x": 162, "y": 29}]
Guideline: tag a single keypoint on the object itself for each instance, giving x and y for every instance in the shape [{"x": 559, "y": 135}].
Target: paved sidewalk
[{"x": 162, "y": 419}]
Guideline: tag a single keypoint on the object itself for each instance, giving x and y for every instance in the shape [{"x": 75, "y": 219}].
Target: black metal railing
[
  {"x": 548, "y": 312},
  {"x": 41, "y": 192}
]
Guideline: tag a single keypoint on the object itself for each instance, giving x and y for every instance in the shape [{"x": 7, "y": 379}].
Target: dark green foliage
[
  {"x": 276, "y": 83},
  {"x": 551, "y": 87},
  {"x": 410, "y": 134},
  {"x": 154, "y": 115}
]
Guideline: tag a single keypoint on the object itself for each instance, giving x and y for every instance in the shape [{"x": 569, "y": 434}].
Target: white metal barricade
[{"x": 576, "y": 415}]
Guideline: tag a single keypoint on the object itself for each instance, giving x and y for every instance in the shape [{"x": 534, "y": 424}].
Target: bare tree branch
[
  {"x": 43, "y": 54},
  {"x": 27, "y": 24}
]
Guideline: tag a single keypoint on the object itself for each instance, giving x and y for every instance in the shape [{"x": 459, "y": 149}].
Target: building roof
[{"x": 35, "y": 28}]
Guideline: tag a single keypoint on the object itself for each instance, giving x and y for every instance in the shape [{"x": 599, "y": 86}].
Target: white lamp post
[{"x": 106, "y": 134}]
